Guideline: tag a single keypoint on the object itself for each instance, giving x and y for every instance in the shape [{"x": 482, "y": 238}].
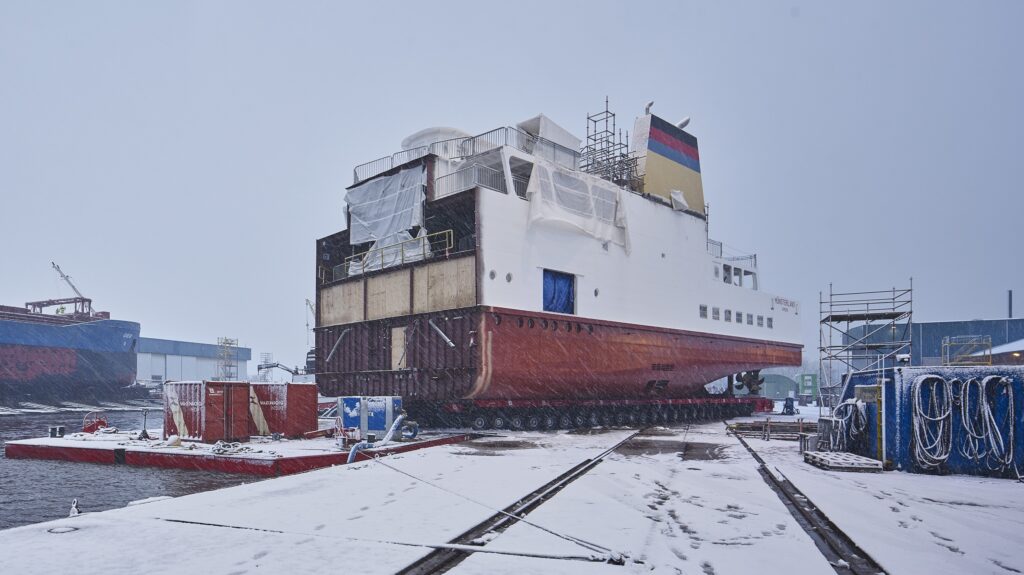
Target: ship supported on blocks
[{"x": 522, "y": 277}]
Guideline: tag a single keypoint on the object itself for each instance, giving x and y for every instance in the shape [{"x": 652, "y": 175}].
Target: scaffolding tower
[
  {"x": 265, "y": 359},
  {"x": 861, "y": 331},
  {"x": 606, "y": 152},
  {"x": 227, "y": 359}
]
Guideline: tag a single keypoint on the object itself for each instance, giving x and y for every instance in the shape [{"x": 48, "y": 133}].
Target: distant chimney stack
[{"x": 1009, "y": 303}]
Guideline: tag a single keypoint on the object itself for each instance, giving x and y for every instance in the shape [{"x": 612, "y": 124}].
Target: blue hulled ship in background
[{"x": 75, "y": 354}]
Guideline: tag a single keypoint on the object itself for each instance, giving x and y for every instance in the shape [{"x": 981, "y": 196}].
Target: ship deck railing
[
  {"x": 457, "y": 148},
  {"x": 468, "y": 178},
  {"x": 412, "y": 250}
]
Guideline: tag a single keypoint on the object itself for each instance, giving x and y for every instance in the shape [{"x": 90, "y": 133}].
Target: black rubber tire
[
  {"x": 565, "y": 421},
  {"x": 643, "y": 419},
  {"x": 607, "y": 419},
  {"x": 594, "y": 419},
  {"x": 532, "y": 421},
  {"x": 478, "y": 422},
  {"x": 621, "y": 418},
  {"x": 579, "y": 421},
  {"x": 516, "y": 422},
  {"x": 632, "y": 418},
  {"x": 549, "y": 421},
  {"x": 499, "y": 422}
]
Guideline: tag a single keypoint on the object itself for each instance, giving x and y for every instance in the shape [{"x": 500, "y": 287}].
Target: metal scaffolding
[
  {"x": 967, "y": 350},
  {"x": 227, "y": 359},
  {"x": 861, "y": 331},
  {"x": 606, "y": 153}
]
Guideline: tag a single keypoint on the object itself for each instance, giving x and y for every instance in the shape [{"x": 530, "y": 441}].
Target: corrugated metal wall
[{"x": 361, "y": 364}]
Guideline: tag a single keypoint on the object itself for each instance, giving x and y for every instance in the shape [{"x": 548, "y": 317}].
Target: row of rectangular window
[{"x": 716, "y": 314}]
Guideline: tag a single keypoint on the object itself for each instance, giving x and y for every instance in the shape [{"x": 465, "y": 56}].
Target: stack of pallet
[{"x": 768, "y": 429}]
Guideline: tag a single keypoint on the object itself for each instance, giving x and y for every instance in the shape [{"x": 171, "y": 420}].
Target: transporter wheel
[
  {"x": 579, "y": 420},
  {"x": 643, "y": 418},
  {"x": 594, "y": 419},
  {"x": 532, "y": 421},
  {"x": 620, "y": 418},
  {"x": 499, "y": 422},
  {"x": 550, "y": 421},
  {"x": 632, "y": 418},
  {"x": 566, "y": 422},
  {"x": 515, "y": 422},
  {"x": 673, "y": 415},
  {"x": 607, "y": 419},
  {"x": 478, "y": 422}
]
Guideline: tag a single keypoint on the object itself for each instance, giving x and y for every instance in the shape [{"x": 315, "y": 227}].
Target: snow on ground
[
  {"x": 343, "y": 516},
  {"x": 912, "y": 523},
  {"x": 708, "y": 511}
]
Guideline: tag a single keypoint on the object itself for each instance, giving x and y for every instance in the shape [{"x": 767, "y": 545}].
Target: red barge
[{"x": 523, "y": 278}]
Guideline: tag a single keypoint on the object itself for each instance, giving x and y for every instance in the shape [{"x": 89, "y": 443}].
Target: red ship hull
[{"x": 504, "y": 354}]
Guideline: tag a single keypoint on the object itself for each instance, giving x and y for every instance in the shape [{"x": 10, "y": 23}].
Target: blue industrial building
[{"x": 927, "y": 337}]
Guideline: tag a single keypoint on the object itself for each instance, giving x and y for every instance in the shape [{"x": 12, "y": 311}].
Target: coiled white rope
[{"x": 985, "y": 438}]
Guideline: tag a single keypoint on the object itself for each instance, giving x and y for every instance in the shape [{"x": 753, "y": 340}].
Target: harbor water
[{"x": 32, "y": 491}]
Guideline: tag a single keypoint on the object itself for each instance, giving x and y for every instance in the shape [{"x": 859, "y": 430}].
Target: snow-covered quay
[{"x": 666, "y": 501}]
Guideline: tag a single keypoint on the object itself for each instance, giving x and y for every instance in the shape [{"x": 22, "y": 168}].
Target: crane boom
[{"x": 67, "y": 279}]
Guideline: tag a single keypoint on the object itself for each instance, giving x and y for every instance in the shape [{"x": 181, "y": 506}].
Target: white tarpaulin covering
[
  {"x": 392, "y": 251},
  {"x": 678, "y": 201},
  {"x": 587, "y": 203},
  {"x": 384, "y": 206}
]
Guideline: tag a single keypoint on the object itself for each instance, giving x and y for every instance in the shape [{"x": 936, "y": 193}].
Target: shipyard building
[
  {"x": 160, "y": 360},
  {"x": 969, "y": 342}
]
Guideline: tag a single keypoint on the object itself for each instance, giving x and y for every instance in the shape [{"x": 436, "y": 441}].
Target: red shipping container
[
  {"x": 207, "y": 411},
  {"x": 285, "y": 408}
]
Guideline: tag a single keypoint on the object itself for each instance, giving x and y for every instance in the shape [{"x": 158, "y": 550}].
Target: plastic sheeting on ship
[
  {"x": 383, "y": 207},
  {"x": 582, "y": 201}
]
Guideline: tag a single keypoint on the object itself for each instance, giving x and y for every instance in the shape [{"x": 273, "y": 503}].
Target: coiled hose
[
  {"x": 985, "y": 438},
  {"x": 849, "y": 422},
  {"x": 932, "y": 423}
]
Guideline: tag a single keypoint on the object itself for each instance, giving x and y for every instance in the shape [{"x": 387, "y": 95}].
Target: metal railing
[
  {"x": 715, "y": 248},
  {"x": 472, "y": 146},
  {"x": 468, "y": 178},
  {"x": 412, "y": 250},
  {"x": 520, "y": 183}
]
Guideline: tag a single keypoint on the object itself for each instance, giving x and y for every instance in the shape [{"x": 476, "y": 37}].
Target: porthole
[
  {"x": 493, "y": 274},
  {"x": 520, "y": 321},
  {"x": 530, "y": 323},
  {"x": 596, "y": 292},
  {"x": 554, "y": 326},
  {"x": 508, "y": 277},
  {"x": 568, "y": 326},
  {"x": 579, "y": 328},
  {"x": 543, "y": 324},
  {"x": 497, "y": 319},
  {"x": 590, "y": 328}
]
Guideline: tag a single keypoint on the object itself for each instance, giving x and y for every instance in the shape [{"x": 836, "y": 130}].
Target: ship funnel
[
  {"x": 647, "y": 108},
  {"x": 683, "y": 123}
]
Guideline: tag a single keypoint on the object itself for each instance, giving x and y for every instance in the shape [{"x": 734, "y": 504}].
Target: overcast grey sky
[{"x": 178, "y": 160}]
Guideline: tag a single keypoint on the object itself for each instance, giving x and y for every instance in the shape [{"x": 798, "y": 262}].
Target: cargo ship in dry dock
[
  {"x": 517, "y": 277},
  {"x": 81, "y": 355}
]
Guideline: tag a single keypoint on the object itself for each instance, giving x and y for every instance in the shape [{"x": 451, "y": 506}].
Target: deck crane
[
  {"x": 312, "y": 311},
  {"x": 83, "y": 305}
]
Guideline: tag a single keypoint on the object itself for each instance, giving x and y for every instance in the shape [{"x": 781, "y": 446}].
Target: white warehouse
[{"x": 160, "y": 360}]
